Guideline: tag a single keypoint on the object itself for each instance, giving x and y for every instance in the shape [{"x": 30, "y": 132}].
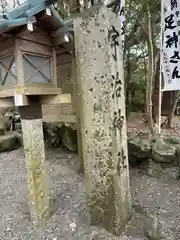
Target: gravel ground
[{"x": 70, "y": 219}]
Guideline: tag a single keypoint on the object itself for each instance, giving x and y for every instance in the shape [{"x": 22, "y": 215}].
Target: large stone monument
[{"x": 100, "y": 84}]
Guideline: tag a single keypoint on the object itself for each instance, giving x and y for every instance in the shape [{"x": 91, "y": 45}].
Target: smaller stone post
[{"x": 33, "y": 140}]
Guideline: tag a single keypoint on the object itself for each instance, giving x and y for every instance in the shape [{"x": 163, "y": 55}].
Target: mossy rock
[
  {"x": 58, "y": 133},
  {"x": 69, "y": 138},
  {"x": 163, "y": 152},
  {"x": 138, "y": 149},
  {"x": 172, "y": 140},
  {"x": 8, "y": 141}
]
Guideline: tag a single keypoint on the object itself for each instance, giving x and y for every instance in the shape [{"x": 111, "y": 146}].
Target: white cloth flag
[
  {"x": 170, "y": 63},
  {"x": 122, "y": 17}
]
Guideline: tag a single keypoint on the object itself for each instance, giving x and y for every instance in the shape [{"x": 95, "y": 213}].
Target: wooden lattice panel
[
  {"x": 37, "y": 69},
  {"x": 8, "y": 74}
]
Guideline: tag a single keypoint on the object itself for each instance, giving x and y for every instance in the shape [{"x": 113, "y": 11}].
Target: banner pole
[{"x": 160, "y": 70}]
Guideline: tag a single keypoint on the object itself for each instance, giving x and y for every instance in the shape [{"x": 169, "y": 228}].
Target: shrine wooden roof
[{"x": 35, "y": 11}]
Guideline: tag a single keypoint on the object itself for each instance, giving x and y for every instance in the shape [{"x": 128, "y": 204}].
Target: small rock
[
  {"x": 94, "y": 235},
  {"x": 72, "y": 226}
]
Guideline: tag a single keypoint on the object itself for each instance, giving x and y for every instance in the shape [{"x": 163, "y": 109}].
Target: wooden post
[
  {"x": 54, "y": 68},
  {"x": 19, "y": 63},
  {"x": 99, "y": 59},
  {"x": 31, "y": 118}
]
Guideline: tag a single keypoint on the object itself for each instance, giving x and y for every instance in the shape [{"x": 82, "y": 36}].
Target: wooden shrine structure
[
  {"x": 39, "y": 52},
  {"x": 30, "y": 47}
]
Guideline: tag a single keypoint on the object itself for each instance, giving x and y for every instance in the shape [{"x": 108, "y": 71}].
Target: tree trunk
[
  {"x": 145, "y": 80},
  {"x": 127, "y": 83},
  {"x": 128, "y": 78},
  {"x": 173, "y": 108},
  {"x": 155, "y": 94},
  {"x": 150, "y": 77}
]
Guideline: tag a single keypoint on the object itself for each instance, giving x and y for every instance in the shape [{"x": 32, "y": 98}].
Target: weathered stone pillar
[
  {"x": 100, "y": 81},
  {"x": 31, "y": 119}
]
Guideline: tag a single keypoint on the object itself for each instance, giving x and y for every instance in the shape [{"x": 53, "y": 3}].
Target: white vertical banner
[
  {"x": 161, "y": 66},
  {"x": 122, "y": 20},
  {"x": 170, "y": 59}
]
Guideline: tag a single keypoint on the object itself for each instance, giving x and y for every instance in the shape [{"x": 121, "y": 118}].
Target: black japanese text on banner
[
  {"x": 171, "y": 45},
  {"x": 122, "y": 18}
]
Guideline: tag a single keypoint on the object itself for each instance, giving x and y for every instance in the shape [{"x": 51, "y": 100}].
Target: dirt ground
[
  {"x": 70, "y": 220},
  {"x": 136, "y": 125}
]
